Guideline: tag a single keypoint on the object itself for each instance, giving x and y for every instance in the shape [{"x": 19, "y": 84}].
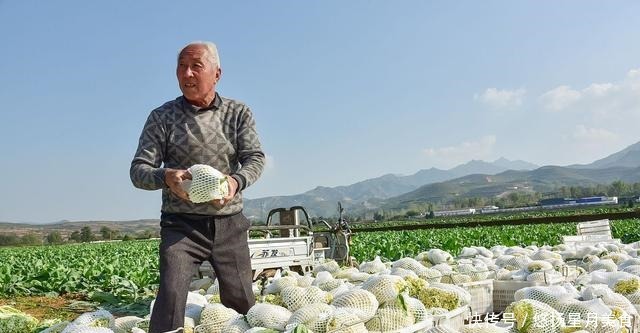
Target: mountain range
[{"x": 475, "y": 178}]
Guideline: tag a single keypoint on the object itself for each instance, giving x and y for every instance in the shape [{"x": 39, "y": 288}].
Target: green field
[{"x": 119, "y": 274}]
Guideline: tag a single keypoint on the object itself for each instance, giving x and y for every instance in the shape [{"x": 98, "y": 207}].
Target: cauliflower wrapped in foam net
[
  {"x": 125, "y": 324},
  {"x": 604, "y": 264},
  {"x": 433, "y": 297},
  {"x": 437, "y": 256},
  {"x": 410, "y": 264},
  {"x": 14, "y": 320},
  {"x": 550, "y": 295},
  {"x": 268, "y": 316},
  {"x": 512, "y": 262},
  {"x": 484, "y": 328},
  {"x": 609, "y": 297},
  {"x": 344, "y": 321},
  {"x": 532, "y": 316},
  {"x": 373, "y": 267},
  {"x": 330, "y": 266},
  {"x": 277, "y": 284},
  {"x": 215, "y": 317},
  {"x": 360, "y": 302},
  {"x": 297, "y": 297},
  {"x": 237, "y": 325},
  {"x": 391, "y": 316},
  {"x": 385, "y": 287},
  {"x": 206, "y": 184},
  {"x": 538, "y": 266},
  {"x": 99, "y": 318},
  {"x": 313, "y": 316}
]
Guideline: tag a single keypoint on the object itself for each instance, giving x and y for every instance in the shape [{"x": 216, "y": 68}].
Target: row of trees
[
  {"x": 514, "y": 199},
  {"x": 84, "y": 235}
]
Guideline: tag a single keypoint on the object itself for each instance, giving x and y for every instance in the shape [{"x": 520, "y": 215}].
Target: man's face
[{"x": 196, "y": 75}]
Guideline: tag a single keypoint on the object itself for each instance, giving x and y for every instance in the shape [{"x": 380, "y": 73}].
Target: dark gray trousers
[{"x": 186, "y": 240}]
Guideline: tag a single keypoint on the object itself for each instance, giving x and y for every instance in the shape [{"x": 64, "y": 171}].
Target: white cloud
[
  {"x": 501, "y": 99},
  {"x": 598, "y": 135},
  {"x": 560, "y": 98},
  {"x": 610, "y": 99},
  {"x": 453, "y": 155}
]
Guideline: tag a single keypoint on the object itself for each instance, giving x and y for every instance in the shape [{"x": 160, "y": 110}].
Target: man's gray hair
[{"x": 212, "y": 52}]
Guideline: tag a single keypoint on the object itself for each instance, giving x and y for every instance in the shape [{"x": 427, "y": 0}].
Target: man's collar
[{"x": 215, "y": 104}]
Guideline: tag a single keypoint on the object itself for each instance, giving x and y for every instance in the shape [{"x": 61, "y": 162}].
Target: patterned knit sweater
[{"x": 178, "y": 135}]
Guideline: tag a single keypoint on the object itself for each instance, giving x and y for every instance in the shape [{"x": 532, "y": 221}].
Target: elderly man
[{"x": 199, "y": 127}]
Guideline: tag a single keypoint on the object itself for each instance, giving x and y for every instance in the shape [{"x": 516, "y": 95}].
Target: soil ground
[{"x": 44, "y": 307}]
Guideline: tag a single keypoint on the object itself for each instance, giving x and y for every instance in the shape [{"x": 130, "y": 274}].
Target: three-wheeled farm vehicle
[{"x": 287, "y": 241}]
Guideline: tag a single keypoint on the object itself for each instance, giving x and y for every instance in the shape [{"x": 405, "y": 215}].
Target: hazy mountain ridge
[{"x": 474, "y": 178}]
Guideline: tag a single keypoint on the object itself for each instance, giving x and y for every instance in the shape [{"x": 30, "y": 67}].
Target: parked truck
[{"x": 287, "y": 241}]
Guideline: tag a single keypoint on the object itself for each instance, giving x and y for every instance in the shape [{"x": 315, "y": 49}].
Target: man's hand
[
  {"x": 233, "y": 187},
  {"x": 174, "y": 178}
]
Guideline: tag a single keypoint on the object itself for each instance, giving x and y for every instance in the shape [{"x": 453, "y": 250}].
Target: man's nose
[{"x": 188, "y": 72}]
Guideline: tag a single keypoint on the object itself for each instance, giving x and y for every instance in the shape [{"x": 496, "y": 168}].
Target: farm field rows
[{"x": 124, "y": 275}]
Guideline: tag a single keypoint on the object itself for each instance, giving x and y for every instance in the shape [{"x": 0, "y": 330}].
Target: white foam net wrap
[
  {"x": 550, "y": 295},
  {"x": 312, "y": 316},
  {"x": 403, "y": 273},
  {"x": 344, "y": 321},
  {"x": 483, "y": 328},
  {"x": 214, "y": 318},
  {"x": 609, "y": 297},
  {"x": 344, "y": 273},
  {"x": 592, "y": 310},
  {"x": 277, "y": 284},
  {"x": 538, "y": 266},
  {"x": 99, "y": 318},
  {"x": 468, "y": 252},
  {"x": 238, "y": 325},
  {"x": 442, "y": 329},
  {"x": 546, "y": 276},
  {"x": 632, "y": 269},
  {"x": 59, "y": 327},
  {"x": 385, "y": 287},
  {"x": 357, "y": 301},
  {"x": 390, "y": 316},
  {"x": 330, "y": 266},
  {"x": 125, "y": 324},
  {"x": 464, "y": 297},
  {"x": 431, "y": 275},
  {"x": 74, "y": 328},
  {"x": 305, "y": 281},
  {"x": 476, "y": 272},
  {"x": 456, "y": 278},
  {"x": 629, "y": 262},
  {"x": 532, "y": 316},
  {"x": 443, "y": 268},
  {"x": 268, "y": 316},
  {"x": 410, "y": 264},
  {"x": 437, "y": 256},
  {"x": 512, "y": 262},
  {"x": 297, "y": 297},
  {"x": 606, "y": 264},
  {"x": 545, "y": 254},
  {"x": 373, "y": 267},
  {"x": 207, "y": 184},
  {"x": 415, "y": 307},
  {"x": 331, "y": 284}
]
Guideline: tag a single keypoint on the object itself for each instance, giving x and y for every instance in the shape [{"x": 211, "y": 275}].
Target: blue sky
[{"x": 342, "y": 91}]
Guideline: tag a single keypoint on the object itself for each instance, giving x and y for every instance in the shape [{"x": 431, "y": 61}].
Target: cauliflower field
[{"x": 417, "y": 280}]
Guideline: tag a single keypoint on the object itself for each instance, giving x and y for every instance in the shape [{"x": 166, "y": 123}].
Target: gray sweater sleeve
[
  {"x": 249, "y": 151},
  {"x": 146, "y": 172}
]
